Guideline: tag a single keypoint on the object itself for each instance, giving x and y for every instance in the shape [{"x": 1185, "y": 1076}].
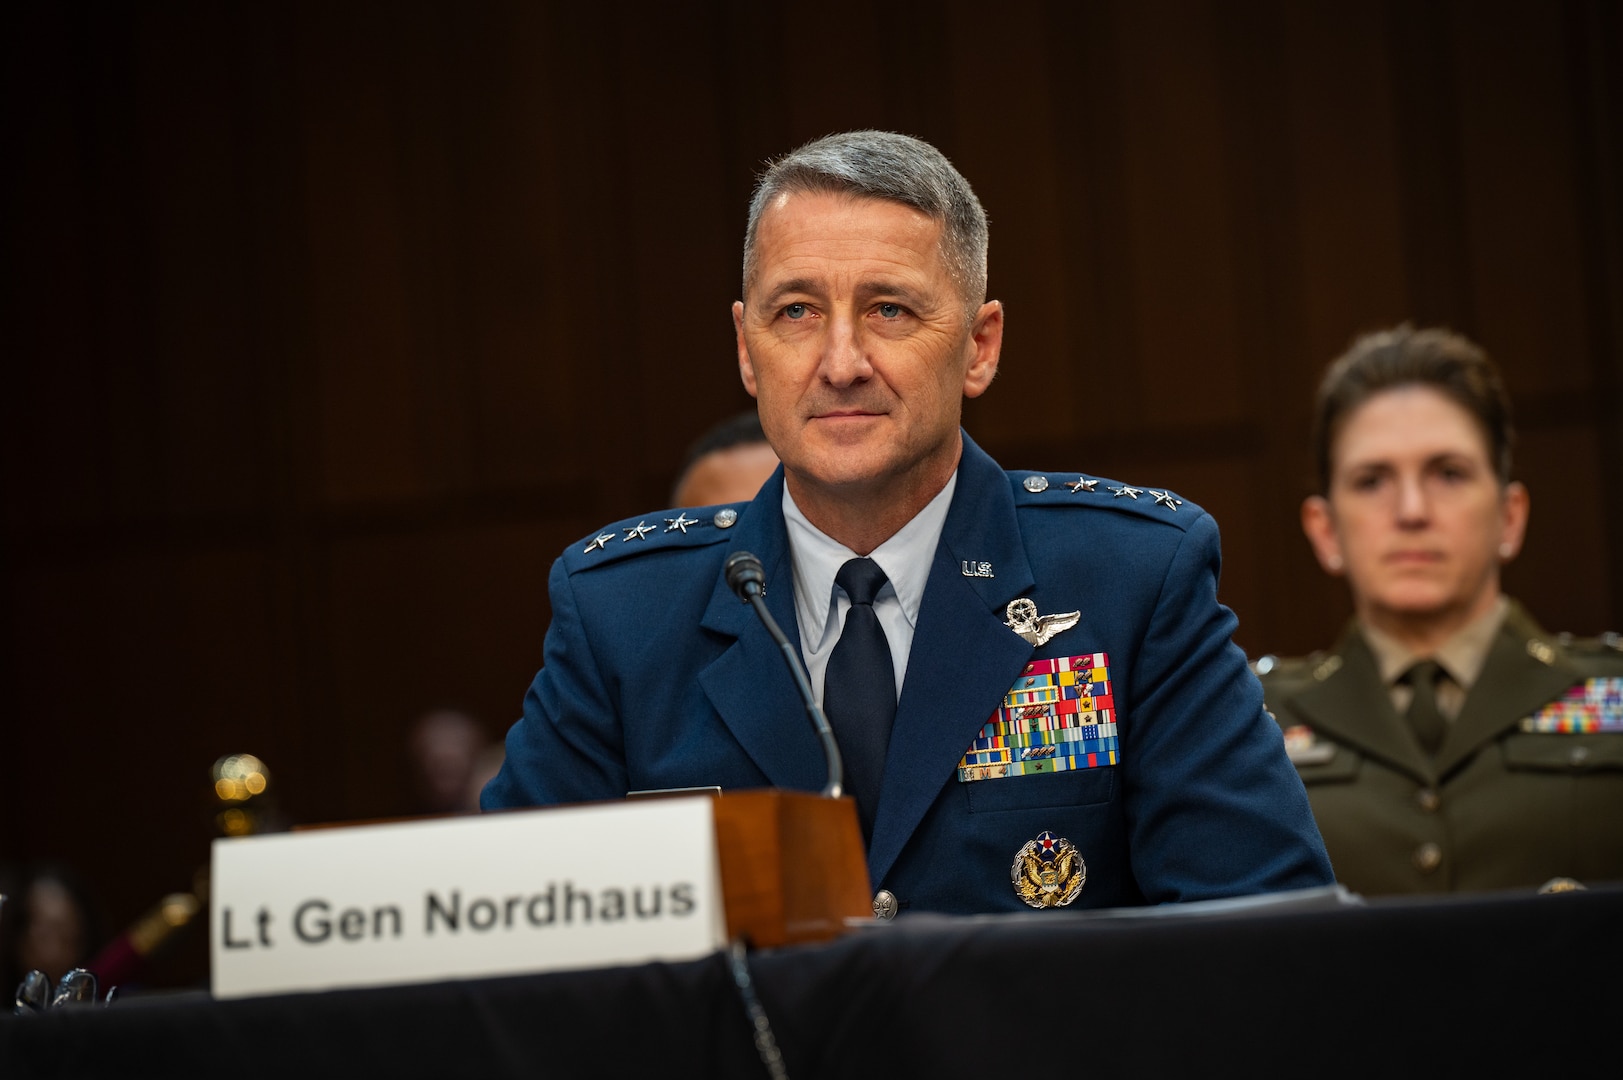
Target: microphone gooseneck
[{"x": 747, "y": 579}]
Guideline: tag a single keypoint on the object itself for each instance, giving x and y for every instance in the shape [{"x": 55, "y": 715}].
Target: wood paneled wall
[{"x": 330, "y": 324}]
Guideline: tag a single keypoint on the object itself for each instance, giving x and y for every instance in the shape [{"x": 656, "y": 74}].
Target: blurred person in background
[
  {"x": 1447, "y": 741},
  {"x": 449, "y": 753},
  {"x": 49, "y": 923},
  {"x": 726, "y": 464}
]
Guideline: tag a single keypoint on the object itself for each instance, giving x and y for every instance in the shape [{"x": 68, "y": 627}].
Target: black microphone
[{"x": 747, "y": 579}]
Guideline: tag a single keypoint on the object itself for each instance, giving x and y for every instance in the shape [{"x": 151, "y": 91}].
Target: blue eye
[
  {"x": 795, "y": 311},
  {"x": 890, "y": 311}
]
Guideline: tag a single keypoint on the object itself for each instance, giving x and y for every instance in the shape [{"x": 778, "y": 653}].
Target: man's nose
[{"x": 844, "y": 359}]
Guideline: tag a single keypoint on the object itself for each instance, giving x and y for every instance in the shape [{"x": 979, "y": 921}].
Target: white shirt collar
[{"x": 905, "y": 558}]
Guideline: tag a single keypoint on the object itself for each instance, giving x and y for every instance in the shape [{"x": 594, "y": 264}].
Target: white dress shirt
[{"x": 820, "y": 605}]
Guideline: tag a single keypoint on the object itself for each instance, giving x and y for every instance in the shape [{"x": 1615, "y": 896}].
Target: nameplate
[{"x": 499, "y": 894}]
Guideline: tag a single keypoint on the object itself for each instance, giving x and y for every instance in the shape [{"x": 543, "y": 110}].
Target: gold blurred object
[
  {"x": 1561, "y": 885},
  {"x": 239, "y": 777},
  {"x": 242, "y": 789},
  {"x": 170, "y": 914}
]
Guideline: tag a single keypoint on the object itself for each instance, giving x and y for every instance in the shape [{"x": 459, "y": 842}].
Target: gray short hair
[{"x": 884, "y": 165}]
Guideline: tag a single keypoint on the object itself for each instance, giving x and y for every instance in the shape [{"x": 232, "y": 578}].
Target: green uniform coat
[{"x": 1499, "y": 807}]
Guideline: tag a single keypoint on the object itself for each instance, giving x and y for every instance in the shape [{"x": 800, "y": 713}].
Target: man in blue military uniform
[{"x": 1029, "y": 675}]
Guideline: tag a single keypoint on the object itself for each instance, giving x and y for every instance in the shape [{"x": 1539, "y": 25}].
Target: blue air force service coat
[{"x": 657, "y": 676}]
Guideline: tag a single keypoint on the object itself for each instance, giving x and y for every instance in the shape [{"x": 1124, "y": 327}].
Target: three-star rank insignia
[{"x": 1048, "y": 872}]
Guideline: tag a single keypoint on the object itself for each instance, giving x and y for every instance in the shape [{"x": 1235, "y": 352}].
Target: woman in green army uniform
[{"x": 1447, "y": 742}]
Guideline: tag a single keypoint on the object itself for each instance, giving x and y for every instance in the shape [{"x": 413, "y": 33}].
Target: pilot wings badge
[{"x": 1035, "y": 628}]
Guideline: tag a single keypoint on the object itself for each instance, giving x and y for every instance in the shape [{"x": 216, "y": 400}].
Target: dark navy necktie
[{"x": 859, "y": 689}]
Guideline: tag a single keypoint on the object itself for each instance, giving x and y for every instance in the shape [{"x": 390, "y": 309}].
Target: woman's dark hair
[{"x": 1403, "y": 356}]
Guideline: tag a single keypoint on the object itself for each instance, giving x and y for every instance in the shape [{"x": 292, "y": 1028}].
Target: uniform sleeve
[
  {"x": 569, "y": 744},
  {"x": 1214, "y": 806}
]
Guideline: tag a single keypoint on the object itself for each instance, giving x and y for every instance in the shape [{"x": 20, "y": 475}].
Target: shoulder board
[
  {"x": 1099, "y": 493},
  {"x": 1610, "y": 642},
  {"x": 1273, "y": 668},
  {"x": 1593, "y": 656},
  {"x": 691, "y": 527}
]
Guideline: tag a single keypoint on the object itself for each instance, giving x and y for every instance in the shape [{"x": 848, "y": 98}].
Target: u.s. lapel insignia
[
  {"x": 1037, "y": 629},
  {"x": 1048, "y": 872}
]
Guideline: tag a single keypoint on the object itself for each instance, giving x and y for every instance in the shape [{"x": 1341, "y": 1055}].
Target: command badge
[{"x": 1048, "y": 872}]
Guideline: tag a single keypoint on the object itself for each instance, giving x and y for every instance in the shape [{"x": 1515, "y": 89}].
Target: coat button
[
  {"x": 1428, "y": 800},
  {"x": 1427, "y": 857},
  {"x": 885, "y": 905}
]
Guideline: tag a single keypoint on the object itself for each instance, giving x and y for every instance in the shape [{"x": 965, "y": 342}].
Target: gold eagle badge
[{"x": 1048, "y": 872}]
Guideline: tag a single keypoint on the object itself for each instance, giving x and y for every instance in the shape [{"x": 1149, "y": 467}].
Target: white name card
[{"x": 500, "y": 894}]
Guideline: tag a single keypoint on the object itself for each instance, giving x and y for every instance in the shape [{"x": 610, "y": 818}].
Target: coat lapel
[
  {"x": 1351, "y": 705},
  {"x": 1514, "y": 682},
  {"x": 749, "y": 684},
  {"x": 964, "y": 658}
]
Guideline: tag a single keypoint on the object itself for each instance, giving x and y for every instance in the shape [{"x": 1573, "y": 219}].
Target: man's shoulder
[
  {"x": 685, "y": 529},
  {"x": 1086, "y": 493}
]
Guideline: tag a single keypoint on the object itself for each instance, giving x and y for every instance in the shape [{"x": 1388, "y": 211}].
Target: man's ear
[
  {"x": 1319, "y": 526},
  {"x": 986, "y": 343},
  {"x": 746, "y": 369}
]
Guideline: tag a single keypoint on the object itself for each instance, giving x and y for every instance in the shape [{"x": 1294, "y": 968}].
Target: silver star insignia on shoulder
[
  {"x": 599, "y": 542},
  {"x": 1081, "y": 484},
  {"x": 1131, "y": 492},
  {"x": 1035, "y": 628},
  {"x": 1166, "y": 498},
  {"x": 639, "y": 531},
  {"x": 680, "y": 523}
]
